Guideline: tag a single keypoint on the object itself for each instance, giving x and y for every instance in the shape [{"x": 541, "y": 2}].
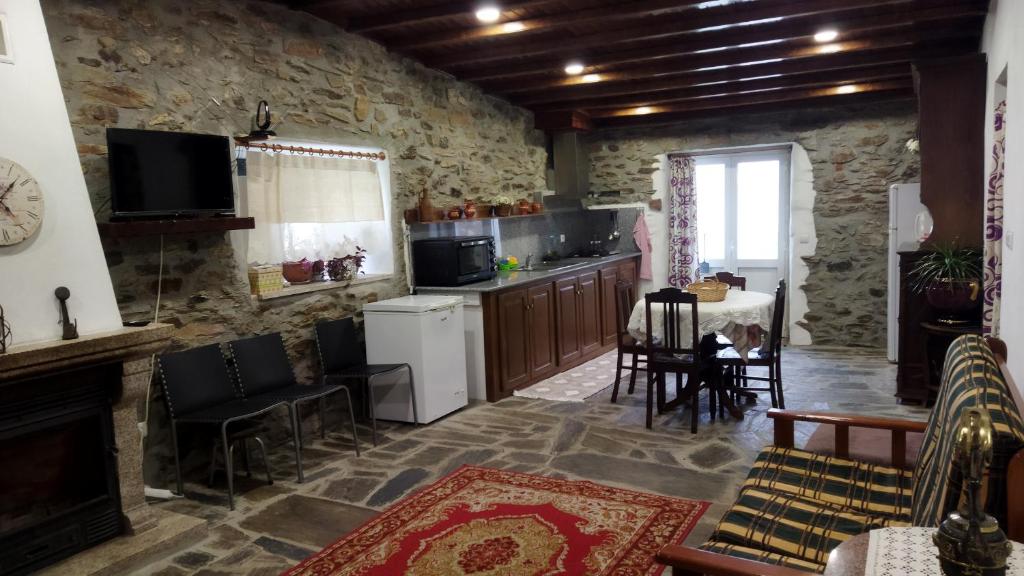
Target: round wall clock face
[{"x": 21, "y": 203}]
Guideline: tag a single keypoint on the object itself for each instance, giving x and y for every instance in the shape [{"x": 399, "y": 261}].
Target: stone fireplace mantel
[{"x": 133, "y": 348}]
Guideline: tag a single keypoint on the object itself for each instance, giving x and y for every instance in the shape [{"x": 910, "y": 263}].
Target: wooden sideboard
[{"x": 535, "y": 330}]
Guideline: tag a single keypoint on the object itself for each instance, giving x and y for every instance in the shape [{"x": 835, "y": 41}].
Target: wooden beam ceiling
[{"x": 669, "y": 59}]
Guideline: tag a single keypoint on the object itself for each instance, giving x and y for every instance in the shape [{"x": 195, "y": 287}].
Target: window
[
  {"x": 318, "y": 207},
  {"x": 743, "y": 213}
]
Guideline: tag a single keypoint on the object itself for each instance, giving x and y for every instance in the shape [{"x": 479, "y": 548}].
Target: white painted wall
[
  {"x": 803, "y": 239},
  {"x": 1003, "y": 42},
  {"x": 36, "y": 133}
]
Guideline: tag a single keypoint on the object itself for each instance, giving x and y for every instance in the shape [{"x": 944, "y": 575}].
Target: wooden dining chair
[
  {"x": 625, "y": 297},
  {"x": 732, "y": 280},
  {"x": 769, "y": 355},
  {"x": 676, "y": 352}
]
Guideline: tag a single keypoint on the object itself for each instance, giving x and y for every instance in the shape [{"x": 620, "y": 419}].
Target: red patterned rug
[{"x": 489, "y": 522}]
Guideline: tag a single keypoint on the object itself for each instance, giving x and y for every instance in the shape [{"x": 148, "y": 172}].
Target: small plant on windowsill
[{"x": 346, "y": 268}]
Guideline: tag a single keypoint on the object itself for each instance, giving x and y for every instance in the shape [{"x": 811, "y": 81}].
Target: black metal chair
[
  {"x": 343, "y": 358},
  {"x": 198, "y": 391},
  {"x": 674, "y": 352},
  {"x": 265, "y": 372},
  {"x": 769, "y": 355},
  {"x": 625, "y": 296}
]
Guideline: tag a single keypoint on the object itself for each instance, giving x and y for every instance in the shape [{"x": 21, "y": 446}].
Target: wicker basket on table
[{"x": 708, "y": 290}]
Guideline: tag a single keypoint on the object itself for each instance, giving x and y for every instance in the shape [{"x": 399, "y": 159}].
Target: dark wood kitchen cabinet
[
  {"x": 536, "y": 330},
  {"x": 526, "y": 321},
  {"x": 514, "y": 348},
  {"x": 540, "y": 301},
  {"x": 568, "y": 329},
  {"x": 607, "y": 277},
  {"x": 590, "y": 313}
]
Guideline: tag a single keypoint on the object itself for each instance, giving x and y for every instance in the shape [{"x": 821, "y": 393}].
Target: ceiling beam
[
  {"x": 777, "y": 18},
  {"x": 607, "y": 14},
  {"x": 824, "y": 104},
  {"x": 814, "y": 80},
  {"x": 397, "y": 18},
  {"x": 953, "y": 23},
  {"x": 674, "y": 75},
  {"x": 905, "y": 85},
  {"x": 567, "y": 95}
]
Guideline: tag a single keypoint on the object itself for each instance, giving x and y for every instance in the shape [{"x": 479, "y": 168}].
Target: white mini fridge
[{"x": 427, "y": 332}]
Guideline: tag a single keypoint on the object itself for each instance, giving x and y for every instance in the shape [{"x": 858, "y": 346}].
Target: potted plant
[
  {"x": 950, "y": 278},
  {"x": 502, "y": 206},
  {"x": 346, "y": 268}
]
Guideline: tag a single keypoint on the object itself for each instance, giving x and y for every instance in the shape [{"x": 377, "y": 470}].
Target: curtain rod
[{"x": 312, "y": 151}]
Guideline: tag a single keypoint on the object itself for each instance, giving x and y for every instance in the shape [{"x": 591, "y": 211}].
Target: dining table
[{"x": 744, "y": 316}]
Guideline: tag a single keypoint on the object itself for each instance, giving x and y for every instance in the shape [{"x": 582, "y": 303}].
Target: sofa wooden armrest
[
  {"x": 686, "y": 561},
  {"x": 786, "y": 419}
]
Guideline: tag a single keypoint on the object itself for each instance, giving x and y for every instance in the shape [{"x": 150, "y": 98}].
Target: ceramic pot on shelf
[
  {"x": 536, "y": 208},
  {"x": 454, "y": 213},
  {"x": 524, "y": 206},
  {"x": 426, "y": 207},
  {"x": 503, "y": 210},
  {"x": 469, "y": 210},
  {"x": 297, "y": 272}
]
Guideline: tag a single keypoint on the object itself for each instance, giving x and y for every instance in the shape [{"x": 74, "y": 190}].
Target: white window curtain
[{"x": 312, "y": 206}]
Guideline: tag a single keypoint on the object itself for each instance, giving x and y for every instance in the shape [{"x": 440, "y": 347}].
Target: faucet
[{"x": 529, "y": 262}]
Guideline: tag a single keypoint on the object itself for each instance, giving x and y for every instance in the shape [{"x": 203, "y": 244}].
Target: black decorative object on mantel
[
  {"x": 6, "y": 337},
  {"x": 70, "y": 329},
  {"x": 261, "y": 124}
]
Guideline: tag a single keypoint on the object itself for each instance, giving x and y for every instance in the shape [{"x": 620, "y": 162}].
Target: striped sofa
[{"x": 796, "y": 506}]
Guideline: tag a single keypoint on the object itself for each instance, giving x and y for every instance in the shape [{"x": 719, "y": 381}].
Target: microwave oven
[{"x": 453, "y": 260}]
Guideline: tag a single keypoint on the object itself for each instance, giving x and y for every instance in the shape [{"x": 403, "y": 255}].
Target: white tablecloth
[
  {"x": 910, "y": 552},
  {"x": 731, "y": 317}
]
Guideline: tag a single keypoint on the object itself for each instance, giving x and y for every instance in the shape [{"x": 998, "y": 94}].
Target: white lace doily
[{"x": 910, "y": 552}]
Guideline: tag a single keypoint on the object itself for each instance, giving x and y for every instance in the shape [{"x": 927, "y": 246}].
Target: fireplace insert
[{"x": 58, "y": 467}]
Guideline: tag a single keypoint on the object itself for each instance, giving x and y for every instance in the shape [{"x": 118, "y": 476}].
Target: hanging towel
[{"x": 642, "y": 237}]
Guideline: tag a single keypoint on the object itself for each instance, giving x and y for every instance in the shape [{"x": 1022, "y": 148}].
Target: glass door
[{"x": 743, "y": 215}]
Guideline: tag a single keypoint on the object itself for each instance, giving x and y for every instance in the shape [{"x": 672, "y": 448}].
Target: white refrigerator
[
  {"x": 428, "y": 333},
  {"x": 904, "y": 206}
]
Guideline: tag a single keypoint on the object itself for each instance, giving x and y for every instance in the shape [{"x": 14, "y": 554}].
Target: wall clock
[{"x": 21, "y": 203}]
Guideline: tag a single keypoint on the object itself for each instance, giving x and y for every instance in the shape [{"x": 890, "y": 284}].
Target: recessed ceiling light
[
  {"x": 590, "y": 78},
  {"x": 512, "y": 27},
  {"x": 643, "y": 110},
  {"x": 827, "y": 35},
  {"x": 847, "y": 89},
  {"x": 574, "y": 68},
  {"x": 488, "y": 14},
  {"x": 829, "y": 49}
]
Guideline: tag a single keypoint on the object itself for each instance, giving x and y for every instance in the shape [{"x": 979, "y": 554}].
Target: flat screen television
[{"x": 156, "y": 173}]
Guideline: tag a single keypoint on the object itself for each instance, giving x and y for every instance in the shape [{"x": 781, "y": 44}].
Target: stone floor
[{"x": 274, "y": 527}]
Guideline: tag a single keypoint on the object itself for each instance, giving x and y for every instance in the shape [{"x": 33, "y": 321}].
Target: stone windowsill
[{"x": 298, "y": 289}]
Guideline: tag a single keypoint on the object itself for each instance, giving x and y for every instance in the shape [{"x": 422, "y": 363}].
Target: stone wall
[
  {"x": 202, "y": 66},
  {"x": 855, "y": 152}
]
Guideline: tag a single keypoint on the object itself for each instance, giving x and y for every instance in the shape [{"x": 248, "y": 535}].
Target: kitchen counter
[{"x": 510, "y": 278}]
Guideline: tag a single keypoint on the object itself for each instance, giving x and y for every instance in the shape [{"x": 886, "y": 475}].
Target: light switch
[
  {"x": 562, "y": 237},
  {"x": 1009, "y": 239}
]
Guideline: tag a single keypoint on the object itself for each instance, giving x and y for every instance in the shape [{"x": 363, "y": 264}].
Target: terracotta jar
[
  {"x": 469, "y": 211},
  {"x": 454, "y": 213},
  {"x": 536, "y": 208},
  {"x": 524, "y": 206}
]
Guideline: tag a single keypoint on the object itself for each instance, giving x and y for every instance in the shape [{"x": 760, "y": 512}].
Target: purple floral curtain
[
  {"x": 682, "y": 221},
  {"x": 994, "y": 227}
]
